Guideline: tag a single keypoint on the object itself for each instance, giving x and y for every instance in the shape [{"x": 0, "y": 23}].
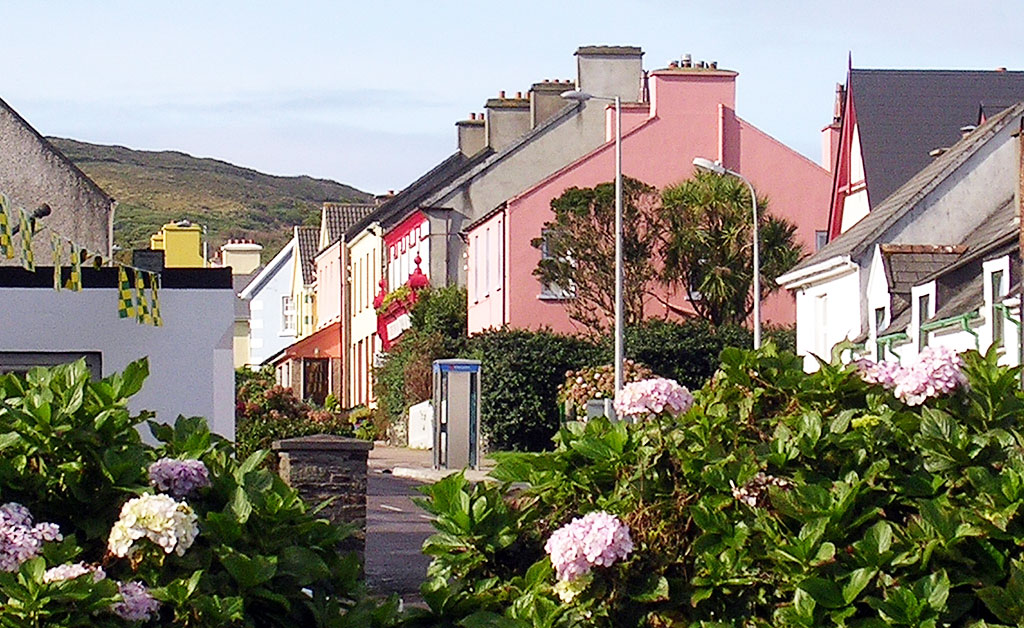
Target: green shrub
[
  {"x": 266, "y": 411},
  {"x": 71, "y": 454},
  {"x": 522, "y": 371},
  {"x": 780, "y": 499},
  {"x": 405, "y": 376}
]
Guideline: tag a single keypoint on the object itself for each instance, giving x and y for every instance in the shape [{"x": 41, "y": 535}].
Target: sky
[{"x": 367, "y": 93}]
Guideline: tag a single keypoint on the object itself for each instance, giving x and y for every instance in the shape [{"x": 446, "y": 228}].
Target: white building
[
  {"x": 935, "y": 263},
  {"x": 190, "y": 356},
  {"x": 272, "y": 318}
]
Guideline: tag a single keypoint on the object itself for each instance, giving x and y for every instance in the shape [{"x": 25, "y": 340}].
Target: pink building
[{"x": 690, "y": 113}]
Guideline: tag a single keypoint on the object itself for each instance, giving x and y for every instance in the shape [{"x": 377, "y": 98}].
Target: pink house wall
[{"x": 691, "y": 115}]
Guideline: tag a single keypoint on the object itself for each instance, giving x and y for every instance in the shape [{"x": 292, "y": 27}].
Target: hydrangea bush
[
  {"x": 859, "y": 495},
  {"x": 98, "y": 528}
]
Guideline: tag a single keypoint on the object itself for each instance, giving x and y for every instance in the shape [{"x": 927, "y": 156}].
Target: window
[
  {"x": 879, "y": 325},
  {"x": 477, "y": 268},
  {"x": 821, "y": 347},
  {"x": 923, "y": 304},
  {"x": 998, "y": 320},
  {"x": 551, "y": 290},
  {"x": 287, "y": 315},
  {"x": 820, "y": 239},
  {"x": 487, "y": 262},
  {"x": 21, "y": 361}
]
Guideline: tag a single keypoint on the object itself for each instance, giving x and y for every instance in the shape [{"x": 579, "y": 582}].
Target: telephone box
[{"x": 456, "y": 414}]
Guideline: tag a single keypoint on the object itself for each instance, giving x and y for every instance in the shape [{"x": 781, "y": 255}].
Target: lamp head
[
  {"x": 708, "y": 166},
  {"x": 577, "y": 95}
]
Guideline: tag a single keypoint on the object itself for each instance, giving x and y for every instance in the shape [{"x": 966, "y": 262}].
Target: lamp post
[
  {"x": 581, "y": 97},
  {"x": 717, "y": 168}
]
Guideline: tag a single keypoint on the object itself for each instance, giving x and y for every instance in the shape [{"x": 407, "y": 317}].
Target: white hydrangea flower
[{"x": 170, "y": 524}]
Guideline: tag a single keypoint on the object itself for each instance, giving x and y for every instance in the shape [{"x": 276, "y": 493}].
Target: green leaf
[
  {"x": 824, "y": 592},
  {"x": 654, "y": 590},
  {"x": 240, "y": 505},
  {"x": 859, "y": 578},
  {"x": 248, "y": 572}
]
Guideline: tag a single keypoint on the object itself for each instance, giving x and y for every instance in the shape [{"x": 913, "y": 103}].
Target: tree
[
  {"x": 578, "y": 251},
  {"x": 708, "y": 245}
]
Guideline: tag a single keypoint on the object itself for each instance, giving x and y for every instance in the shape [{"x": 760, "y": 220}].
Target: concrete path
[{"x": 395, "y": 526}]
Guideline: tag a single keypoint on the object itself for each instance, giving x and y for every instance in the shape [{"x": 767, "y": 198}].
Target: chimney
[
  {"x": 830, "y": 134},
  {"x": 507, "y": 120},
  {"x": 243, "y": 256},
  {"x": 546, "y": 100},
  {"x": 472, "y": 137},
  {"x": 610, "y": 71}
]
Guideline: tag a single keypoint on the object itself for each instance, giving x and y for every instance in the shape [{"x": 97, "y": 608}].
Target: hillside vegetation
[{"x": 156, "y": 187}]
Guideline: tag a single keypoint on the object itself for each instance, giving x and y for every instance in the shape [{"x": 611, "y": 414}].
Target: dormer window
[
  {"x": 995, "y": 310},
  {"x": 923, "y": 305}
]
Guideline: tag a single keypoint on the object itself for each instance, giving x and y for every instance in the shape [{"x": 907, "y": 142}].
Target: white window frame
[
  {"x": 289, "y": 316},
  {"x": 916, "y": 318}
]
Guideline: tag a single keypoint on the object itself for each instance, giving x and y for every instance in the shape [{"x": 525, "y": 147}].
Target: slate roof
[
  {"x": 393, "y": 210},
  {"x": 870, "y": 229},
  {"x": 904, "y": 114},
  {"x": 238, "y": 283},
  {"x": 962, "y": 279},
  {"x": 308, "y": 239},
  {"x": 339, "y": 217}
]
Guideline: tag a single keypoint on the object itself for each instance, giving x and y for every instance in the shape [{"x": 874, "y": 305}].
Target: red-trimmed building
[{"x": 890, "y": 124}]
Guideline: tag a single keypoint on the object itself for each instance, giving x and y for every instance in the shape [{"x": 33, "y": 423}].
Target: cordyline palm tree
[{"x": 708, "y": 246}]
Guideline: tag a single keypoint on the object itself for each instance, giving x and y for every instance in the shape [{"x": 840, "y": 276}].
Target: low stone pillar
[{"x": 323, "y": 466}]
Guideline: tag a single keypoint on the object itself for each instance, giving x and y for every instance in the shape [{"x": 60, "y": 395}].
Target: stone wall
[
  {"x": 33, "y": 172},
  {"x": 322, "y": 467}
]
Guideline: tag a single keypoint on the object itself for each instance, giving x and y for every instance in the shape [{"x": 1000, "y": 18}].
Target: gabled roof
[
  {"x": 495, "y": 158},
  {"x": 393, "y": 210},
  {"x": 308, "y": 239},
  {"x": 339, "y": 217},
  {"x": 870, "y": 229},
  {"x": 56, "y": 153},
  {"x": 267, "y": 272},
  {"x": 902, "y": 115}
]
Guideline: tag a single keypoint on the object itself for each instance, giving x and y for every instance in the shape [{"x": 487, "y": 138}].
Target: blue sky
[{"x": 367, "y": 93}]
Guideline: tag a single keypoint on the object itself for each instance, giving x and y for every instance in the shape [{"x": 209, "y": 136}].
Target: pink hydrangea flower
[
  {"x": 596, "y": 539},
  {"x": 137, "y": 603},
  {"x": 937, "y": 371},
  {"x": 653, "y": 396},
  {"x": 70, "y": 571}
]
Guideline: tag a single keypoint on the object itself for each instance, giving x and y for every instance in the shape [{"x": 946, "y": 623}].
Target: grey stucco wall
[{"x": 33, "y": 172}]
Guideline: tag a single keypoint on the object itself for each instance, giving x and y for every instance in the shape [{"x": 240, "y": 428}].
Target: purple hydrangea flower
[
  {"x": 137, "y": 603},
  {"x": 653, "y": 396},
  {"x": 596, "y": 539},
  {"x": 20, "y": 540},
  {"x": 178, "y": 477}
]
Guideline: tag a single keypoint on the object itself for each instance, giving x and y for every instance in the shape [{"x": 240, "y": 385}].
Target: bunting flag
[
  {"x": 141, "y": 309},
  {"x": 75, "y": 278},
  {"x": 28, "y": 259},
  {"x": 6, "y": 244},
  {"x": 58, "y": 245},
  {"x": 125, "y": 303},
  {"x": 158, "y": 321}
]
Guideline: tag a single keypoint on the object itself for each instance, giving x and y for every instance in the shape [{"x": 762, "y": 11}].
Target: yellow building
[{"x": 182, "y": 244}]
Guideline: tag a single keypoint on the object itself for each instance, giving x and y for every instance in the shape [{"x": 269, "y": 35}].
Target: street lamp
[
  {"x": 581, "y": 97},
  {"x": 717, "y": 168}
]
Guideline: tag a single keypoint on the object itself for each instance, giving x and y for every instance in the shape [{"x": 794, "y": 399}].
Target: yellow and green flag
[
  {"x": 58, "y": 249},
  {"x": 75, "y": 277},
  {"x": 154, "y": 281},
  {"x": 6, "y": 243},
  {"x": 125, "y": 303},
  {"x": 141, "y": 308},
  {"x": 28, "y": 259}
]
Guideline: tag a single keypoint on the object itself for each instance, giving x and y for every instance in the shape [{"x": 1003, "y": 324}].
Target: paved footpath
[{"x": 395, "y": 526}]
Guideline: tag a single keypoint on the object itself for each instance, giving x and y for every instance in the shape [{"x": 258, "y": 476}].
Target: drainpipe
[
  {"x": 889, "y": 340},
  {"x": 963, "y": 320}
]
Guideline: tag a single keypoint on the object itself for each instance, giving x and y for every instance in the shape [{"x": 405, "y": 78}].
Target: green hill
[{"x": 157, "y": 187}]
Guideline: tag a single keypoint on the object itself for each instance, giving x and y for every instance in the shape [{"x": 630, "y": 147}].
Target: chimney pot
[
  {"x": 687, "y": 60},
  {"x": 391, "y": 192},
  {"x": 519, "y": 94},
  {"x": 714, "y": 65},
  {"x": 673, "y": 64},
  {"x": 501, "y": 94},
  {"x": 1001, "y": 69},
  {"x": 472, "y": 116}
]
